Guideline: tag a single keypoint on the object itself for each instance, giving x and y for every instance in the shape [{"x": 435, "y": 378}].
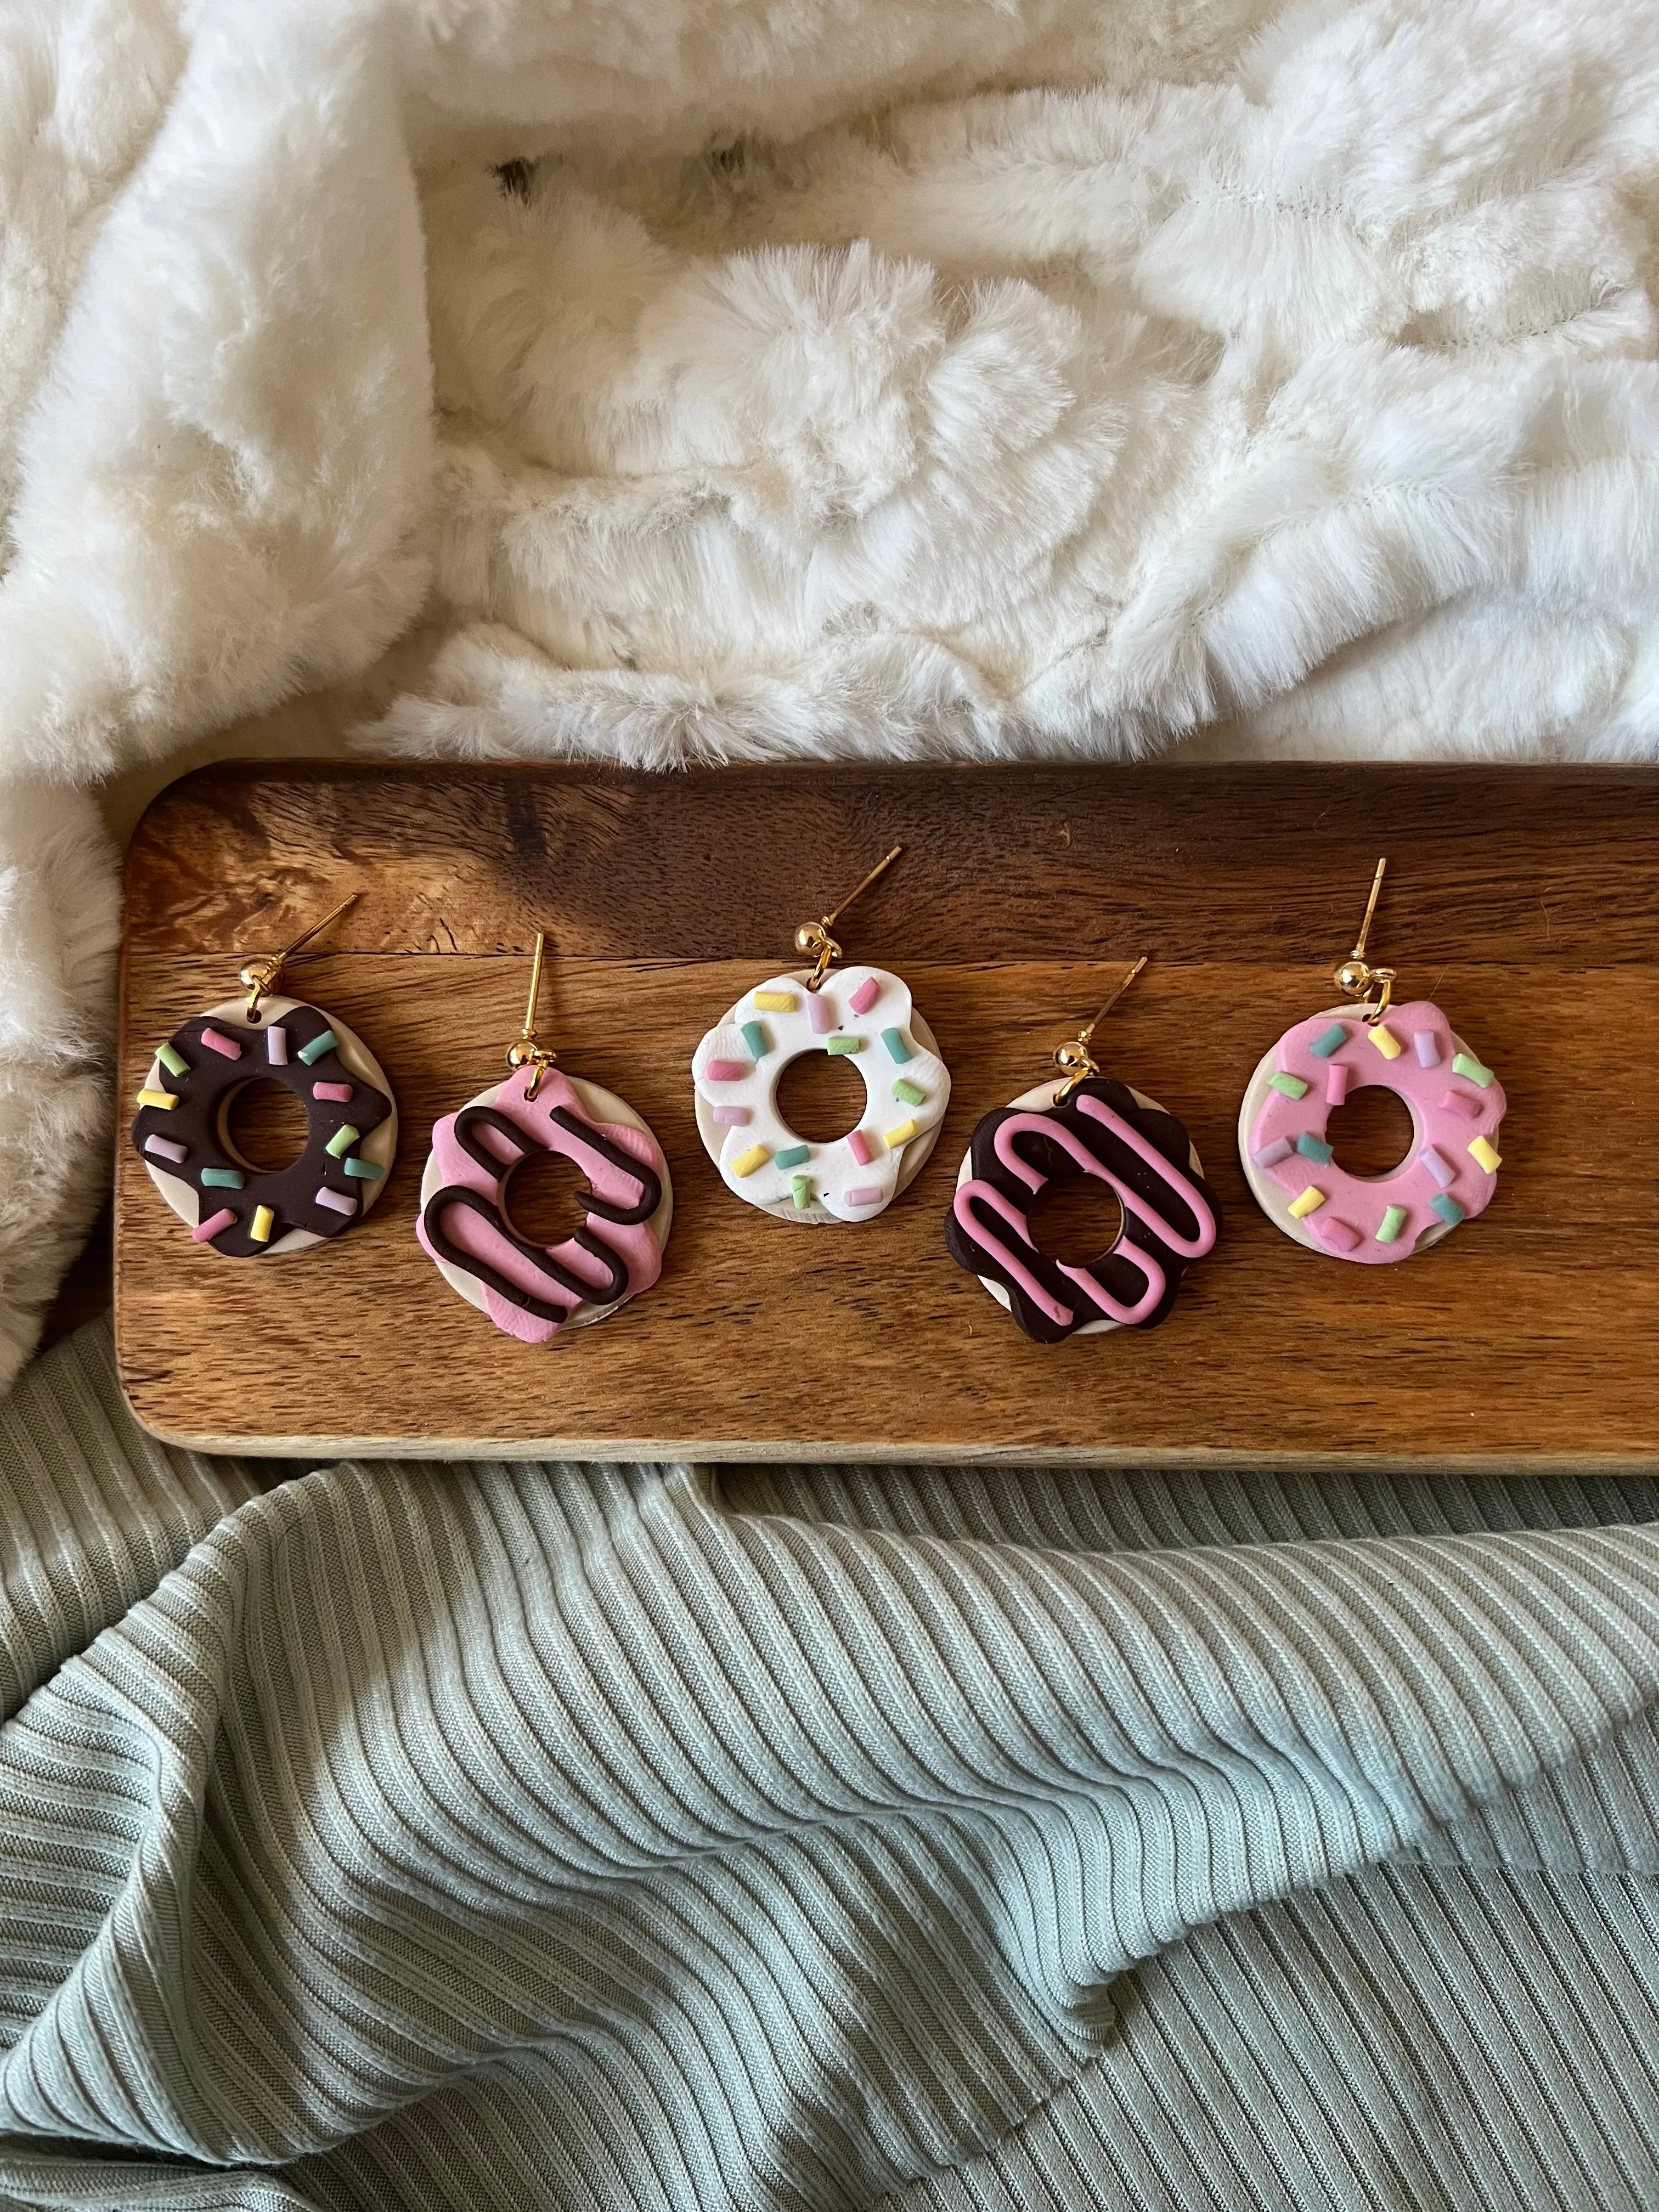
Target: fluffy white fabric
[{"x": 835, "y": 376}]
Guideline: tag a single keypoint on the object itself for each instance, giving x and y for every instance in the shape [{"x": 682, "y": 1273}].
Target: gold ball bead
[
  {"x": 1351, "y": 976},
  {"x": 806, "y": 937}
]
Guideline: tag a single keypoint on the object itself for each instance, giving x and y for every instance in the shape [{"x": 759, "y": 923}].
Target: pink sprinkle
[
  {"x": 867, "y": 1193},
  {"x": 1427, "y": 1045},
  {"x": 338, "y": 1091},
  {"x": 820, "y": 1013},
  {"x": 866, "y": 996},
  {"x": 336, "y": 1202},
  {"x": 735, "y": 1117},
  {"x": 1336, "y": 1234},
  {"x": 1459, "y": 1102},
  {"x": 1436, "y": 1164},
  {"x": 277, "y": 1047},
  {"x": 726, "y": 1071},
  {"x": 859, "y": 1144},
  {"x": 215, "y": 1226},
  {"x": 1336, "y": 1084},
  {"x": 165, "y": 1149},
  {"x": 216, "y": 1041}
]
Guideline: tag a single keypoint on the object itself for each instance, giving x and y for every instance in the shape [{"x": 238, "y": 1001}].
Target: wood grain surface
[{"x": 1526, "y": 901}]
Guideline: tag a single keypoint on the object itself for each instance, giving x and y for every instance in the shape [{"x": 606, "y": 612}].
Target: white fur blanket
[{"x": 846, "y": 376}]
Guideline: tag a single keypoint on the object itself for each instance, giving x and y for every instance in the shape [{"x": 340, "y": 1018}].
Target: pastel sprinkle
[
  {"x": 735, "y": 1117},
  {"x": 897, "y": 1050},
  {"x": 1483, "y": 1157},
  {"x": 223, "y": 1178},
  {"x": 774, "y": 1002},
  {"x": 1313, "y": 1148},
  {"x": 726, "y": 1071},
  {"x": 1461, "y": 1104},
  {"x": 820, "y": 1013},
  {"x": 907, "y": 1094},
  {"x": 339, "y": 1092},
  {"x": 262, "y": 1225},
  {"x": 365, "y": 1170},
  {"x": 1292, "y": 1086},
  {"x": 1447, "y": 1208},
  {"x": 1393, "y": 1220},
  {"x": 1336, "y": 1084},
  {"x": 840, "y": 1044},
  {"x": 319, "y": 1046},
  {"x": 164, "y": 1100},
  {"x": 795, "y": 1156},
  {"x": 1462, "y": 1065},
  {"x": 866, "y": 996},
  {"x": 335, "y": 1201},
  {"x": 867, "y": 1193},
  {"x": 216, "y": 1041},
  {"x": 1337, "y": 1233},
  {"x": 860, "y": 1148},
  {"x": 1385, "y": 1039},
  {"x": 755, "y": 1036},
  {"x": 1271, "y": 1155},
  {"x": 1427, "y": 1046},
  {"x": 1330, "y": 1041},
  {"x": 277, "y": 1047},
  {"x": 901, "y": 1135},
  {"x": 343, "y": 1140},
  {"x": 215, "y": 1226},
  {"x": 801, "y": 1190},
  {"x": 1438, "y": 1166},
  {"x": 172, "y": 1059},
  {"x": 165, "y": 1149},
  {"x": 746, "y": 1162},
  {"x": 1309, "y": 1202}
]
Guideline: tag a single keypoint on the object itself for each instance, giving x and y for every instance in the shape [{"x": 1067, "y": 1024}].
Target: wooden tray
[{"x": 1526, "y": 901}]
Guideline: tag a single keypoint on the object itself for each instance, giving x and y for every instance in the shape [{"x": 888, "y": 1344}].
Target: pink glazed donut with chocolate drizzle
[{"x": 1449, "y": 1174}]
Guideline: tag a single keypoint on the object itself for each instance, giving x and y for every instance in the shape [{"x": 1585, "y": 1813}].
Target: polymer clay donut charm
[
  {"x": 864, "y": 1013},
  {"x": 533, "y": 1292},
  {"x": 1449, "y": 1174},
  {"x": 1101, "y": 1128},
  {"x": 181, "y": 1132}
]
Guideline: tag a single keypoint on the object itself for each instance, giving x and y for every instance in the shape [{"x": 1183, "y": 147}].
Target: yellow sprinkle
[
  {"x": 902, "y": 1135},
  {"x": 1385, "y": 1041},
  {"x": 1311, "y": 1199},
  {"x": 1483, "y": 1155},
  {"x": 774, "y": 1002},
  {"x": 162, "y": 1099},
  {"x": 264, "y": 1222},
  {"x": 746, "y": 1162}
]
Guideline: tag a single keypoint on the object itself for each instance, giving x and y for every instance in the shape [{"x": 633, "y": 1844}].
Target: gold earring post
[
  {"x": 1355, "y": 975},
  {"x": 1074, "y": 1059},
  {"x": 813, "y": 938},
  {"x": 525, "y": 1051},
  {"x": 259, "y": 977}
]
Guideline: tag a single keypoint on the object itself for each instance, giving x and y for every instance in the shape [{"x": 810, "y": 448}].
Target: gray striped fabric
[{"x": 615, "y": 1837}]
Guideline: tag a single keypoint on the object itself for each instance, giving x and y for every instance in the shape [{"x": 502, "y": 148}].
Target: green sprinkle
[
  {"x": 802, "y": 1187},
  {"x": 1447, "y": 1208},
  {"x": 1393, "y": 1222},
  {"x": 755, "y": 1036},
  {"x": 223, "y": 1178},
  {"x": 1291, "y": 1086},
  {"x": 172, "y": 1059},
  {"x": 1462, "y": 1065},
  {"x": 343, "y": 1140},
  {"x": 1332, "y": 1040},
  {"x": 312, "y": 1052},
  {"x": 365, "y": 1170},
  {"x": 907, "y": 1094},
  {"x": 897, "y": 1050},
  {"x": 845, "y": 1044},
  {"x": 1313, "y": 1148},
  {"x": 794, "y": 1157}
]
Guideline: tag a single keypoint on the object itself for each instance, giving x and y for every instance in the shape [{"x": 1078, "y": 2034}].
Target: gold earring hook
[
  {"x": 1074, "y": 1059},
  {"x": 1355, "y": 977},
  {"x": 258, "y": 976},
  {"x": 813, "y": 938},
  {"x": 525, "y": 1051}
]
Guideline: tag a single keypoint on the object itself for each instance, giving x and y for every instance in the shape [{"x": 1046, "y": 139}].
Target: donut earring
[
  {"x": 1087, "y": 1124},
  {"x": 1455, "y": 1102},
  {"x": 533, "y": 1291},
  {"x": 182, "y": 1131},
  {"x": 864, "y": 1012}
]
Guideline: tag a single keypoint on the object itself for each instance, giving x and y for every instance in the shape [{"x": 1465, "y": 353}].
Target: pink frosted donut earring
[
  {"x": 1455, "y": 1102},
  {"x": 531, "y": 1291}
]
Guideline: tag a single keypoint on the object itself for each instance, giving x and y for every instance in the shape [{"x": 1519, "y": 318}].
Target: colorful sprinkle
[
  {"x": 907, "y": 1094},
  {"x": 746, "y": 1162},
  {"x": 866, "y": 996},
  {"x": 755, "y": 1036},
  {"x": 1292, "y": 1086},
  {"x": 335, "y": 1201},
  {"x": 860, "y": 1148},
  {"x": 1331, "y": 1040},
  {"x": 164, "y": 1100},
  {"x": 1337, "y": 1233},
  {"x": 800, "y": 1189},
  {"x": 901, "y": 1135},
  {"x": 216, "y": 1041},
  {"x": 1393, "y": 1220},
  {"x": 897, "y": 1050},
  {"x": 262, "y": 1225},
  {"x": 165, "y": 1149},
  {"x": 1309, "y": 1202},
  {"x": 735, "y": 1117},
  {"x": 1336, "y": 1084},
  {"x": 338, "y": 1092},
  {"x": 1426, "y": 1045},
  {"x": 312, "y": 1052},
  {"x": 1271, "y": 1155},
  {"x": 726, "y": 1071},
  {"x": 867, "y": 1193},
  {"x": 343, "y": 1140},
  {"x": 820, "y": 1013},
  {"x": 277, "y": 1047},
  {"x": 795, "y": 1156},
  {"x": 1385, "y": 1039},
  {"x": 774, "y": 1002},
  {"x": 365, "y": 1170},
  {"x": 1462, "y": 1065},
  {"x": 1447, "y": 1208},
  {"x": 1313, "y": 1148},
  {"x": 1438, "y": 1166},
  {"x": 1461, "y": 1104},
  {"x": 223, "y": 1178},
  {"x": 1483, "y": 1157},
  {"x": 172, "y": 1059},
  {"x": 215, "y": 1226},
  {"x": 840, "y": 1044}
]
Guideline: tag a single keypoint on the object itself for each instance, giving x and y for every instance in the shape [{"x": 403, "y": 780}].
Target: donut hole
[
  {"x": 821, "y": 1096},
  {"x": 539, "y": 1202},
  {"x": 1077, "y": 1222},
  {"x": 262, "y": 1126},
  {"x": 1371, "y": 1133}
]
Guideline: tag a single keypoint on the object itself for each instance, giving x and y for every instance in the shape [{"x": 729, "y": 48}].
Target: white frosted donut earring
[
  {"x": 1456, "y": 1102},
  {"x": 865, "y": 1014}
]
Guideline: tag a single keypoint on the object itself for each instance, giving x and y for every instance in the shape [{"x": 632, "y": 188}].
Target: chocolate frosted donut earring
[
  {"x": 1087, "y": 1124},
  {"x": 864, "y": 1012},
  {"x": 182, "y": 1130},
  {"x": 533, "y": 1291},
  {"x": 1457, "y": 1104}
]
